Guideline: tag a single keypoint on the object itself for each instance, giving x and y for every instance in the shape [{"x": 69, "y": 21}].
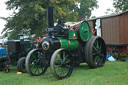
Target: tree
[
  {"x": 30, "y": 15},
  {"x": 109, "y": 11},
  {"x": 120, "y": 5},
  {"x": 84, "y": 7}
]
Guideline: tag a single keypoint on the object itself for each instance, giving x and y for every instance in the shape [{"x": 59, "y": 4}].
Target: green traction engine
[{"x": 64, "y": 49}]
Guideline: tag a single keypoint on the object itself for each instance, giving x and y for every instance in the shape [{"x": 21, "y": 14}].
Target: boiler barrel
[{"x": 69, "y": 44}]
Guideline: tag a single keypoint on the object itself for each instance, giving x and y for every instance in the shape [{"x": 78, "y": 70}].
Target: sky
[
  {"x": 103, "y": 5},
  {"x": 3, "y": 13}
]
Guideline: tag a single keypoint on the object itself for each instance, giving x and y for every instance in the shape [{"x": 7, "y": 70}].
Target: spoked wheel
[
  {"x": 35, "y": 63},
  {"x": 95, "y": 52},
  {"x": 61, "y": 64},
  {"x": 21, "y": 65},
  {"x": 114, "y": 50}
]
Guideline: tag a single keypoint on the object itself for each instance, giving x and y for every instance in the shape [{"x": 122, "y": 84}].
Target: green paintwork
[
  {"x": 73, "y": 34},
  {"x": 84, "y": 31},
  {"x": 97, "y": 47},
  {"x": 14, "y": 45},
  {"x": 69, "y": 44}
]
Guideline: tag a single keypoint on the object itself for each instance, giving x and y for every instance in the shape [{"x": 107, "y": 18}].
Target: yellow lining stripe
[{"x": 69, "y": 44}]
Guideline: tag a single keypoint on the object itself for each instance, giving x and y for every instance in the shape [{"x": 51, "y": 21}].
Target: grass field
[{"x": 113, "y": 73}]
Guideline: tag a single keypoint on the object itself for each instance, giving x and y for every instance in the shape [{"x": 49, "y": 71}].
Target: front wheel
[
  {"x": 61, "y": 64},
  {"x": 35, "y": 63},
  {"x": 21, "y": 65}
]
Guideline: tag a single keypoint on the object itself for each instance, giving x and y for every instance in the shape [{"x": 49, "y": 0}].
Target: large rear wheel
[
  {"x": 95, "y": 52},
  {"x": 35, "y": 63},
  {"x": 61, "y": 64}
]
